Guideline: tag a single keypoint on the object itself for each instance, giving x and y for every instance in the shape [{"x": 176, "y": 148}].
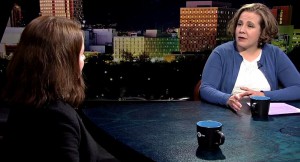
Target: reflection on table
[{"x": 166, "y": 131}]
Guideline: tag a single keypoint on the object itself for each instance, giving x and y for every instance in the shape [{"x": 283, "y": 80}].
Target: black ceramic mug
[
  {"x": 260, "y": 106},
  {"x": 209, "y": 134}
]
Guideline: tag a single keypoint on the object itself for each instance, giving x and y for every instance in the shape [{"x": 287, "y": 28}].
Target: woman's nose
[{"x": 242, "y": 29}]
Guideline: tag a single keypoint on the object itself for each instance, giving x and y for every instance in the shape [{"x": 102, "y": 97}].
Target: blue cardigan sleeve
[
  {"x": 212, "y": 80},
  {"x": 286, "y": 74}
]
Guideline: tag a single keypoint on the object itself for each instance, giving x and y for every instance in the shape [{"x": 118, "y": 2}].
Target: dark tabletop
[{"x": 166, "y": 131}]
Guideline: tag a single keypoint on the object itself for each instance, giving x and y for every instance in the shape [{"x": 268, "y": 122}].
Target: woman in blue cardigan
[{"x": 249, "y": 65}]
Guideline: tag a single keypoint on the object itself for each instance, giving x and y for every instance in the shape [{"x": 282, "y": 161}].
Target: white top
[{"x": 251, "y": 77}]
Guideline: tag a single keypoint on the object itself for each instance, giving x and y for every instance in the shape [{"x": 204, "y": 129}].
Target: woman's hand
[
  {"x": 234, "y": 100},
  {"x": 252, "y": 92}
]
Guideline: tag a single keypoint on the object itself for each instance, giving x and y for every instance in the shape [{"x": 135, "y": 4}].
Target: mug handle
[{"x": 222, "y": 138}]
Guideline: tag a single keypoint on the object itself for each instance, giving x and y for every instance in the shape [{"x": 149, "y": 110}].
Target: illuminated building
[
  {"x": 296, "y": 38},
  {"x": 126, "y": 47},
  {"x": 203, "y": 25},
  {"x": 283, "y": 14},
  {"x": 285, "y": 39},
  {"x": 160, "y": 46},
  {"x": 71, "y": 9}
]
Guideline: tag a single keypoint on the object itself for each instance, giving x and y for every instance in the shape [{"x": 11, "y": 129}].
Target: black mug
[
  {"x": 260, "y": 106},
  {"x": 209, "y": 134}
]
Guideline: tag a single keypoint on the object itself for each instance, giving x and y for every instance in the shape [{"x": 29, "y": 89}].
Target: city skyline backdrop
[{"x": 141, "y": 15}]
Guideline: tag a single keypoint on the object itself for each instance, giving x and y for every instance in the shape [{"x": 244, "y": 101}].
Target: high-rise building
[
  {"x": 71, "y": 9},
  {"x": 284, "y": 39},
  {"x": 203, "y": 25},
  {"x": 283, "y": 14}
]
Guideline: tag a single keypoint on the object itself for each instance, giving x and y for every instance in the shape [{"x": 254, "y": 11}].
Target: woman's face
[
  {"x": 81, "y": 57},
  {"x": 248, "y": 30}
]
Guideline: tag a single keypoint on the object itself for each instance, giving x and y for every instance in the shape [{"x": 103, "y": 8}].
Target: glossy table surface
[{"x": 166, "y": 131}]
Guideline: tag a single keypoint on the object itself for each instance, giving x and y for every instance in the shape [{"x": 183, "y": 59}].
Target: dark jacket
[{"x": 52, "y": 133}]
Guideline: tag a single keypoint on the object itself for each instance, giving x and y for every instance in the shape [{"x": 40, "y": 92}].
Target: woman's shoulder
[
  {"x": 227, "y": 46},
  {"x": 61, "y": 110},
  {"x": 273, "y": 50},
  {"x": 57, "y": 105},
  {"x": 226, "y": 50}
]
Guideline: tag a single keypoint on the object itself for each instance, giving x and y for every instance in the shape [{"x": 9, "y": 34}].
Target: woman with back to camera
[
  {"x": 249, "y": 65},
  {"x": 44, "y": 87}
]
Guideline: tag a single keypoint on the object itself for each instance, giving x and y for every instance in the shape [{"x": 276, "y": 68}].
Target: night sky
[{"x": 142, "y": 14}]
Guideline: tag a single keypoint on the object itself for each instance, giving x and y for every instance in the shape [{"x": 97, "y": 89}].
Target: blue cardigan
[{"x": 221, "y": 70}]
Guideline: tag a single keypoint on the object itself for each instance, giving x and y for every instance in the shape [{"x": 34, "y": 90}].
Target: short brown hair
[
  {"x": 268, "y": 24},
  {"x": 45, "y": 66}
]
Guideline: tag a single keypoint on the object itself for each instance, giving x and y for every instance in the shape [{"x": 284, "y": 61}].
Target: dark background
[
  {"x": 174, "y": 80},
  {"x": 142, "y": 14}
]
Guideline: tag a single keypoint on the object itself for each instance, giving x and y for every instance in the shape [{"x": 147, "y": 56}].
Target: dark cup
[
  {"x": 209, "y": 134},
  {"x": 260, "y": 106}
]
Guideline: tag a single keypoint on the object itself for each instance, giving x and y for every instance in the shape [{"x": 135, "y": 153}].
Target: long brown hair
[
  {"x": 45, "y": 66},
  {"x": 268, "y": 23}
]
